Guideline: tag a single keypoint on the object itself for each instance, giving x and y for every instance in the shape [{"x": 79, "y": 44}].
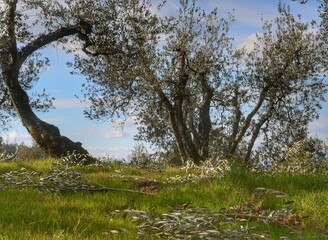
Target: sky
[{"x": 109, "y": 139}]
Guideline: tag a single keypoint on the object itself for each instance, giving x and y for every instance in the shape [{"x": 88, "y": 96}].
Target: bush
[
  {"x": 304, "y": 156},
  {"x": 308, "y": 155},
  {"x": 11, "y": 152},
  {"x": 140, "y": 156},
  {"x": 33, "y": 152}
]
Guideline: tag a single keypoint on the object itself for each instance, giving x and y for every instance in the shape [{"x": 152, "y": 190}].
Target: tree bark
[
  {"x": 247, "y": 123},
  {"x": 180, "y": 131},
  {"x": 47, "y": 136},
  {"x": 205, "y": 124},
  {"x": 185, "y": 133},
  {"x": 271, "y": 83},
  {"x": 177, "y": 115},
  {"x": 238, "y": 114},
  {"x": 175, "y": 129},
  {"x": 256, "y": 131}
]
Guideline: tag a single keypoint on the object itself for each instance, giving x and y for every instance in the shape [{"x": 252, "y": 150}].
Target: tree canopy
[
  {"x": 29, "y": 26},
  {"x": 191, "y": 88},
  {"x": 180, "y": 78}
]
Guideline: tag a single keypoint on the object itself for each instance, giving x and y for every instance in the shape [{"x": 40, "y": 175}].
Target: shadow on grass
[{"x": 285, "y": 182}]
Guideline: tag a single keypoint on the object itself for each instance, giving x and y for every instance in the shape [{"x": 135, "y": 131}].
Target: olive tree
[
  {"x": 30, "y": 25},
  {"x": 323, "y": 13},
  {"x": 170, "y": 89},
  {"x": 187, "y": 86},
  {"x": 280, "y": 89},
  {"x": 29, "y": 75},
  {"x": 324, "y": 29}
]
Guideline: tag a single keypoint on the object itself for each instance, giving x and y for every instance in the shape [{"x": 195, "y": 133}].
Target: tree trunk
[
  {"x": 238, "y": 114},
  {"x": 185, "y": 133},
  {"x": 178, "y": 138},
  {"x": 47, "y": 136},
  {"x": 257, "y": 129},
  {"x": 205, "y": 124},
  {"x": 182, "y": 136},
  {"x": 263, "y": 95},
  {"x": 246, "y": 124},
  {"x": 175, "y": 129},
  {"x": 251, "y": 143}
]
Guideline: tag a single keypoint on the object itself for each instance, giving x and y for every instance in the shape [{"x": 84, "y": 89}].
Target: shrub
[{"x": 304, "y": 156}]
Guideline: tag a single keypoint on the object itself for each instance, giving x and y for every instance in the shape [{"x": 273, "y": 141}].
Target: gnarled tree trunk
[
  {"x": 47, "y": 136},
  {"x": 205, "y": 123}
]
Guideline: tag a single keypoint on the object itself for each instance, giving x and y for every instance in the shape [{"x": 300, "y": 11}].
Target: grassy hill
[{"x": 114, "y": 201}]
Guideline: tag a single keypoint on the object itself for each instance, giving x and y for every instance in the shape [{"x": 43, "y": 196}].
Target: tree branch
[
  {"x": 258, "y": 127},
  {"x": 237, "y": 112},
  {"x": 4, "y": 98},
  {"x": 247, "y": 122},
  {"x": 82, "y": 28},
  {"x": 10, "y": 19},
  {"x": 8, "y": 49},
  {"x": 263, "y": 95}
]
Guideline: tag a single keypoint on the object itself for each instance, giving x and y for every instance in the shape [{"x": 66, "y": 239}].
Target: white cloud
[
  {"x": 17, "y": 137},
  {"x": 169, "y": 9},
  {"x": 117, "y": 152},
  {"x": 246, "y": 12},
  {"x": 69, "y": 103},
  {"x": 73, "y": 45},
  {"x": 319, "y": 127},
  {"x": 115, "y": 133},
  {"x": 249, "y": 42},
  {"x": 56, "y": 120},
  {"x": 108, "y": 149},
  {"x": 104, "y": 130}
]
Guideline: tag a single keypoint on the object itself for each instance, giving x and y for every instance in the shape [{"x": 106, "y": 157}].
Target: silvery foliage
[
  {"x": 79, "y": 159},
  {"x": 60, "y": 178},
  {"x": 213, "y": 167},
  {"x": 141, "y": 158},
  {"x": 324, "y": 29},
  {"x": 187, "y": 222},
  {"x": 199, "y": 36},
  {"x": 303, "y": 156},
  {"x": 8, "y": 157}
]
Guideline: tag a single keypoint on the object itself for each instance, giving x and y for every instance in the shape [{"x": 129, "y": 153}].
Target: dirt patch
[{"x": 147, "y": 185}]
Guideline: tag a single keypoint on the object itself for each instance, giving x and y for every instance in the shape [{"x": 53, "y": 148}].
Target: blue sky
[{"x": 102, "y": 138}]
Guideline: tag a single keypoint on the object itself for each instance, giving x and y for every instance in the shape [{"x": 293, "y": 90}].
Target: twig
[
  {"x": 255, "y": 217},
  {"x": 101, "y": 189}
]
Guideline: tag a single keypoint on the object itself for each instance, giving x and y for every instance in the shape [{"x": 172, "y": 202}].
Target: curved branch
[
  {"x": 47, "y": 136},
  {"x": 257, "y": 129},
  {"x": 81, "y": 28},
  {"x": 247, "y": 122}
]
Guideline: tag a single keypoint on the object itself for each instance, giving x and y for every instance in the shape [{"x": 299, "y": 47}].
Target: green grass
[{"x": 28, "y": 214}]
